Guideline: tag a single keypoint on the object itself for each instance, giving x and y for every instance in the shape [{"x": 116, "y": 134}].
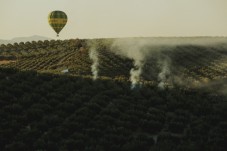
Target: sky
[{"x": 115, "y": 18}]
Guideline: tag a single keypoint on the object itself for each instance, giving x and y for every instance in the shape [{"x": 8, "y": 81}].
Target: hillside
[
  {"x": 133, "y": 94},
  {"x": 187, "y": 64},
  {"x": 23, "y": 39}
]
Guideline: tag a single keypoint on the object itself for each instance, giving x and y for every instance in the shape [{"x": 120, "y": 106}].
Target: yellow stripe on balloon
[{"x": 57, "y": 21}]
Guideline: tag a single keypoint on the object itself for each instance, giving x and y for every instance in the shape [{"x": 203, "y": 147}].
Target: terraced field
[{"x": 189, "y": 63}]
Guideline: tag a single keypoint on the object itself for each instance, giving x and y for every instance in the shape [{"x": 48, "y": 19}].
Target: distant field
[{"x": 188, "y": 63}]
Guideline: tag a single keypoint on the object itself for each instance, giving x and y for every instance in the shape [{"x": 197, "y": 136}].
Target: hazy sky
[{"x": 115, "y": 18}]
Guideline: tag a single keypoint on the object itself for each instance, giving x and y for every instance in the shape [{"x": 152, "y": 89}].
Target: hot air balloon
[{"x": 57, "y": 20}]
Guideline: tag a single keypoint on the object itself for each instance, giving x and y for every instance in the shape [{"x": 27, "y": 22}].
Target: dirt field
[{"x": 6, "y": 61}]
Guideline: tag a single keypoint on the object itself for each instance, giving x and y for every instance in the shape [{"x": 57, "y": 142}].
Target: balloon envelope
[{"x": 57, "y": 20}]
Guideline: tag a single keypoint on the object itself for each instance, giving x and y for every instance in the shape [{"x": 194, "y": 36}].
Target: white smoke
[
  {"x": 132, "y": 49},
  {"x": 141, "y": 49},
  {"x": 93, "y": 54},
  {"x": 163, "y": 75},
  {"x": 135, "y": 74}
]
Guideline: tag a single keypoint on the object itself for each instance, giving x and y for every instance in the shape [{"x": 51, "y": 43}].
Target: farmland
[{"x": 43, "y": 108}]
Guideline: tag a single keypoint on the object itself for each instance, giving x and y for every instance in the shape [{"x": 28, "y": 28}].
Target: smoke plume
[
  {"x": 135, "y": 74},
  {"x": 163, "y": 75},
  {"x": 132, "y": 49},
  {"x": 93, "y": 54},
  {"x": 148, "y": 56}
]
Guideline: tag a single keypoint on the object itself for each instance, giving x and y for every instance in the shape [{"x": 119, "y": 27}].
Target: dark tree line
[{"x": 53, "y": 112}]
